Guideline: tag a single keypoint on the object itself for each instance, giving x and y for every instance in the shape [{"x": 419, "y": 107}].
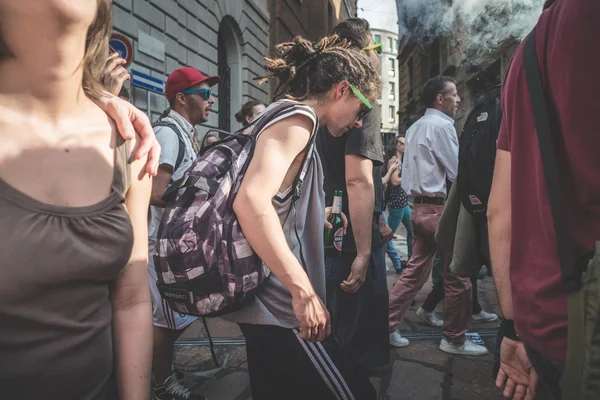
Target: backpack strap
[
  {"x": 178, "y": 133},
  {"x": 571, "y": 275}
]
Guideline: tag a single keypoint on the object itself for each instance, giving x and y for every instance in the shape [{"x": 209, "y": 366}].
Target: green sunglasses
[
  {"x": 363, "y": 113},
  {"x": 377, "y": 48},
  {"x": 206, "y": 93}
]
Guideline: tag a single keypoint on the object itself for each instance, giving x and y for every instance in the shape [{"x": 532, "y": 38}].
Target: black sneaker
[{"x": 172, "y": 389}]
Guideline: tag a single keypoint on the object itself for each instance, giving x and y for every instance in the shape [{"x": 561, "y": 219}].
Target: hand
[
  {"x": 114, "y": 74},
  {"x": 516, "y": 372},
  {"x": 358, "y": 271},
  {"x": 395, "y": 165},
  {"x": 328, "y": 224},
  {"x": 311, "y": 313},
  {"x": 130, "y": 120},
  {"x": 385, "y": 231}
]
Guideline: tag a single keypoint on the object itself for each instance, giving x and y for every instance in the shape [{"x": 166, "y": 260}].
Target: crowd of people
[{"x": 82, "y": 204}]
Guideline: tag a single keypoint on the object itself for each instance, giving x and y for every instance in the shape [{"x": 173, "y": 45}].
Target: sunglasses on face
[
  {"x": 206, "y": 93},
  {"x": 367, "y": 107},
  {"x": 377, "y": 48}
]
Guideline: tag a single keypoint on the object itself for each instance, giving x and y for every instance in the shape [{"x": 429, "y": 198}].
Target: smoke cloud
[{"x": 475, "y": 27}]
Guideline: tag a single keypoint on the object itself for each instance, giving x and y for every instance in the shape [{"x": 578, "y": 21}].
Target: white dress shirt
[{"x": 431, "y": 155}]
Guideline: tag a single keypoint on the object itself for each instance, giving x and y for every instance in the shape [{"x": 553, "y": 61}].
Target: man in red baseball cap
[
  {"x": 190, "y": 99},
  {"x": 188, "y": 91}
]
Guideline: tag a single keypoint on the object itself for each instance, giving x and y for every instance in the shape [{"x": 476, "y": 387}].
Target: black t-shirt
[{"x": 365, "y": 142}]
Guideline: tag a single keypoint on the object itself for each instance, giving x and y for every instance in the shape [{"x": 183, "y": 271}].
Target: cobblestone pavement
[{"x": 418, "y": 372}]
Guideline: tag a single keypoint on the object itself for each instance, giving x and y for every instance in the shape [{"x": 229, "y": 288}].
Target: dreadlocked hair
[{"x": 305, "y": 69}]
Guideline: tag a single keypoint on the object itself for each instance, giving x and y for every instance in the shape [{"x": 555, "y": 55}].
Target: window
[
  {"x": 392, "y": 113},
  {"x": 391, "y": 91},
  {"x": 390, "y": 44},
  {"x": 395, "y": 45},
  {"x": 392, "y": 66},
  {"x": 377, "y": 39}
]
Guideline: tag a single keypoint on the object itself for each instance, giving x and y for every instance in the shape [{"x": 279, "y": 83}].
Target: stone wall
[{"x": 189, "y": 30}]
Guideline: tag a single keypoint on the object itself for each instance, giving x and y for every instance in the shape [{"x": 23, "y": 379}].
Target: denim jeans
[{"x": 396, "y": 217}]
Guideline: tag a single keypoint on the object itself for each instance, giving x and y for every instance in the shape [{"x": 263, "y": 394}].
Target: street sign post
[
  {"x": 147, "y": 82},
  {"x": 122, "y": 45}
]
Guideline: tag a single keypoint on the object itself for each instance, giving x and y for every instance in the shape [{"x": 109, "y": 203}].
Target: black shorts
[{"x": 283, "y": 366}]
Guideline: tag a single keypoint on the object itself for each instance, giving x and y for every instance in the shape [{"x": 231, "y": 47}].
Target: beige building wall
[{"x": 390, "y": 74}]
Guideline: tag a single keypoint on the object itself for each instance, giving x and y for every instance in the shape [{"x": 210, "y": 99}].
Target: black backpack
[{"x": 477, "y": 153}]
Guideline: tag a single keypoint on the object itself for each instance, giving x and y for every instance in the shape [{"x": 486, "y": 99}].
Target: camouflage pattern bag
[{"x": 204, "y": 264}]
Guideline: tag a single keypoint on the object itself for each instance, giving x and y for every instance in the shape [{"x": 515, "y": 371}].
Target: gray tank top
[
  {"x": 56, "y": 271},
  {"x": 303, "y": 229}
]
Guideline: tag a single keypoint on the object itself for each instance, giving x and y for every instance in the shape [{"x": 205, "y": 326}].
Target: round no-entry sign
[{"x": 122, "y": 45}]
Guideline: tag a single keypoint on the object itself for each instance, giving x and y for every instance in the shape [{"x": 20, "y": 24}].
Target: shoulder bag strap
[{"x": 571, "y": 278}]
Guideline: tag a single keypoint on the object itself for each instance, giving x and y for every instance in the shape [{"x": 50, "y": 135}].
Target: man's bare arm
[
  {"x": 361, "y": 202},
  {"x": 276, "y": 151},
  {"x": 159, "y": 185},
  {"x": 499, "y": 226}
]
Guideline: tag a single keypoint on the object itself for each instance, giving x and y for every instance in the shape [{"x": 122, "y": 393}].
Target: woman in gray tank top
[
  {"x": 75, "y": 312},
  {"x": 290, "y": 355}
]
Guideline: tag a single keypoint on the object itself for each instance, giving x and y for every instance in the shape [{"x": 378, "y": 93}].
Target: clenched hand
[
  {"x": 358, "y": 272},
  {"x": 313, "y": 317}
]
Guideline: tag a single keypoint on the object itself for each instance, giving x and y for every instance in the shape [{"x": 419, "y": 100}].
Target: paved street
[{"x": 420, "y": 371}]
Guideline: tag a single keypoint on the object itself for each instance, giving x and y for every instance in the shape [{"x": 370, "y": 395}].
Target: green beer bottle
[{"x": 335, "y": 236}]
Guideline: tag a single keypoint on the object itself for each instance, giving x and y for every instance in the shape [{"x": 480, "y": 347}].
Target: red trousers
[{"x": 457, "y": 290}]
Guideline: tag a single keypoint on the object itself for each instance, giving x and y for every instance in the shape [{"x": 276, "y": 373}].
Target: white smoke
[{"x": 475, "y": 27}]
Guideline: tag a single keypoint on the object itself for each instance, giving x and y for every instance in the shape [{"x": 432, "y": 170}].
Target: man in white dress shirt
[{"x": 430, "y": 160}]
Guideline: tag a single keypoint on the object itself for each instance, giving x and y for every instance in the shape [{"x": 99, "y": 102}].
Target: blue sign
[
  {"x": 147, "y": 82},
  {"x": 122, "y": 45}
]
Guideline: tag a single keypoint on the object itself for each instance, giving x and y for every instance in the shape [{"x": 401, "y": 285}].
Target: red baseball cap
[{"x": 184, "y": 78}]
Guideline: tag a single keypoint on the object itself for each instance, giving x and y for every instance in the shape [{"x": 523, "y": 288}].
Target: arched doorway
[{"x": 230, "y": 71}]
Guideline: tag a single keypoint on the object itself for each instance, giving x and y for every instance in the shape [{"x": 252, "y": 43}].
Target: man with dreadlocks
[
  {"x": 290, "y": 355},
  {"x": 357, "y": 294}
]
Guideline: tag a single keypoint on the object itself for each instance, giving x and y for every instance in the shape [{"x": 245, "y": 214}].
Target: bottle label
[
  {"x": 337, "y": 205},
  {"x": 338, "y": 238}
]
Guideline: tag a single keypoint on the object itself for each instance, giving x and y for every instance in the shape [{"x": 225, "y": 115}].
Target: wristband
[{"x": 509, "y": 330}]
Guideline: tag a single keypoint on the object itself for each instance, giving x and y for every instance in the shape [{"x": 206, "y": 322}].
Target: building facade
[
  {"x": 388, "y": 97},
  {"x": 311, "y": 19},
  {"x": 228, "y": 38},
  {"x": 219, "y": 37},
  {"x": 419, "y": 63}
]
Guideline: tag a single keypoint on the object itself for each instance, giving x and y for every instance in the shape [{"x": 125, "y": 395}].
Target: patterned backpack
[{"x": 205, "y": 265}]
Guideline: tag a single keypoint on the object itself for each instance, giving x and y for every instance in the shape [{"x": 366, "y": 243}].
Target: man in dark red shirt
[{"x": 521, "y": 229}]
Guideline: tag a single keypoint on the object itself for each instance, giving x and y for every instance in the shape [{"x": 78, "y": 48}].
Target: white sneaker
[
  {"x": 484, "y": 317},
  {"x": 172, "y": 389},
  {"x": 397, "y": 340},
  {"x": 430, "y": 318},
  {"x": 468, "y": 348}
]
